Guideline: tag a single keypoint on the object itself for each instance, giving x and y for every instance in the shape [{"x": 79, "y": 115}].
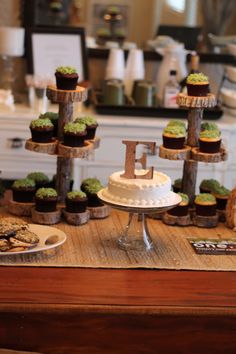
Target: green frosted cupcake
[
  {"x": 174, "y": 136},
  {"x": 197, "y": 85}
]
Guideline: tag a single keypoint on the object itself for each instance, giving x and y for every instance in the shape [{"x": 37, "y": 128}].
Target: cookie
[
  {"x": 17, "y": 243},
  {"x": 27, "y": 237},
  {"x": 4, "y": 245},
  {"x": 9, "y": 226}
]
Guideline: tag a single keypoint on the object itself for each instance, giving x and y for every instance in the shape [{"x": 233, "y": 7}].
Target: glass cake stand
[{"x": 136, "y": 235}]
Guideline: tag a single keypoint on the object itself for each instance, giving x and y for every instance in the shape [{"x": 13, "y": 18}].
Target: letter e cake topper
[{"x": 130, "y": 159}]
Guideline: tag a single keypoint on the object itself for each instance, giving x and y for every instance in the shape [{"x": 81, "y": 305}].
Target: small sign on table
[{"x": 214, "y": 247}]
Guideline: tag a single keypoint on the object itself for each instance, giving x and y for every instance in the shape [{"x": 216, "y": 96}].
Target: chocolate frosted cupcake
[
  {"x": 41, "y": 130},
  {"x": 76, "y": 202},
  {"x": 209, "y": 141},
  {"x": 205, "y": 204},
  {"x": 66, "y": 78},
  {"x": 74, "y": 134},
  {"x": 91, "y": 186},
  {"x": 182, "y": 208},
  {"x": 208, "y": 185},
  {"x": 23, "y": 190},
  {"x": 91, "y": 126},
  {"x": 174, "y": 137},
  {"x": 40, "y": 179},
  {"x": 53, "y": 118},
  {"x": 221, "y": 194},
  {"x": 46, "y": 200},
  {"x": 197, "y": 84}
]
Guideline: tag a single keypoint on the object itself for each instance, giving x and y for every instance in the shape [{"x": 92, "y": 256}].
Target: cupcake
[
  {"x": 41, "y": 130},
  {"x": 221, "y": 194},
  {"x": 91, "y": 126},
  {"x": 66, "y": 78},
  {"x": 91, "y": 186},
  {"x": 182, "y": 208},
  {"x": 209, "y": 141},
  {"x": 46, "y": 200},
  {"x": 174, "y": 137},
  {"x": 177, "y": 185},
  {"x": 74, "y": 134},
  {"x": 53, "y": 118},
  {"x": 197, "y": 84},
  {"x": 23, "y": 190},
  {"x": 76, "y": 202},
  {"x": 208, "y": 185},
  {"x": 40, "y": 179},
  {"x": 205, "y": 204}
]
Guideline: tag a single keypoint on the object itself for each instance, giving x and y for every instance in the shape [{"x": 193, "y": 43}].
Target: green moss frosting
[
  {"x": 45, "y": 193},
  {"x": 209, "y": 126},
  {"x": 24, "y": 183},
  {"x": 76, "y": 194},
  {"x": 209, "y": 184},
  {"x": 73, "y": 127},
  {"x": 86, "y": 120},
  {"x": 94, "y": 188},
  {"x": 38, "y": 177},
  {"x": 178, "y": 123},
  {"x": 209, "y": 134},
  {"x": 178, "y": 131},
  {"x": 41, "y": 123},
  {"x": 196, "y": 78},
  {"x": 221, "y": 190},
  {"x": 89, "y": 181},
  {"x": 184, "y": 197},
  {"x": 113, "y": 10},
  {"x": 205, "y": 197},
  {"x": 66, "y": 70},
  {"x": 120, "y": 32},
  {"x": 49, "y": 115},
  {"x": 103, "y": 32}
]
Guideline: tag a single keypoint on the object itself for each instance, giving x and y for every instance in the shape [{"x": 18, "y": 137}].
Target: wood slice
[
  {"x": 196, "y": 102},
  {"x": 20, "y": 209},
  {"x": 51, "y": 218},
  {"x": 100, "y": 212},
  {"x": 65, "y": 96},
  {"x": 175, "y": 154},
  {"x": 221, "y": 215},
  {"x": 73, "y": 152},
  {"x": 177, "y": 220},
  {"x": 44, "y": 148},
  {"x": 205, "y": 221},
  {"x": 76, "y": 218},
  {"x": 222, "y": 155}
]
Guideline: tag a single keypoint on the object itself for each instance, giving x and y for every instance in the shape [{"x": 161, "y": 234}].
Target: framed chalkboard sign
[{"x": 50, "y": 47}]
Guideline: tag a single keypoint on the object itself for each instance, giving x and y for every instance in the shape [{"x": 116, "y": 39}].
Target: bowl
[
  {"x": 231, "y": 48},
  {"x": 231, "y": 73},
  {"x": 228, "y": 97}
]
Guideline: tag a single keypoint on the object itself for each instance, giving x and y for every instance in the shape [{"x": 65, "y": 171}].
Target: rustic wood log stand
[
  {"x": 177, "y": 220},
  {"x": 50, "y": 218},
  {"x": 192, "y": 156},
  {"x": 20, "y": 209},
  {"x": 76, "y": 218}
]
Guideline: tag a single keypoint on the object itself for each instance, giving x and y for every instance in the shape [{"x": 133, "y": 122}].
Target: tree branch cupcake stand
[
  {"x": 65, "y": 154},
  {"x": 192, "y": 155}
]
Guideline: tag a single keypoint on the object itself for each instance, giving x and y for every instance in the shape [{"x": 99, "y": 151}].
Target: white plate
[{"x": 43, "y": 232}]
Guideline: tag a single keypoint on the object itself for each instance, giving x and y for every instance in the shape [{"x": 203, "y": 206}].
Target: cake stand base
[{"x": 136, "y": 235}]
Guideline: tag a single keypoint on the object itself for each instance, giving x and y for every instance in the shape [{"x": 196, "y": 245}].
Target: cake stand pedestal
[{"x": 136, "y": 235}]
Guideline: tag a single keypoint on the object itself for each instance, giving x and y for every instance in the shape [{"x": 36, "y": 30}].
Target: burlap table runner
[{"x": 94, "y": 245}]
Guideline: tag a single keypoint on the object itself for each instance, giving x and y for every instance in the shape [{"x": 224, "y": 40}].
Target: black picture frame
[{"x": 55, "y": 34}]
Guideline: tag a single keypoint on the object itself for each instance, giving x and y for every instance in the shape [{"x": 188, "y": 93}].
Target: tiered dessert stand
[
  {"x": 191, "y": 156},
  {"x": 65, "y": 154}
]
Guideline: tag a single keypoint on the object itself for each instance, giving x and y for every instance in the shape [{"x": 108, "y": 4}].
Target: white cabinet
[{"x": 16, "y": 162}]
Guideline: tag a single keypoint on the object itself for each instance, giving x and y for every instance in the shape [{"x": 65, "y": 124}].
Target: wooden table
[{"x": 90, "y": 311}]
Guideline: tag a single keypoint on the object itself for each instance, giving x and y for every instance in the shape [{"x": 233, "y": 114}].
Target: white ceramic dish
[
  {"x": 43, "y": 232},
  {"x": 231, "y": 73},
  {"x": 228, "y": 97}
]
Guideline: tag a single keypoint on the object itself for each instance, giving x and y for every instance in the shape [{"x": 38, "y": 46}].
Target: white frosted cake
[{"x": 138, "y": 192}]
